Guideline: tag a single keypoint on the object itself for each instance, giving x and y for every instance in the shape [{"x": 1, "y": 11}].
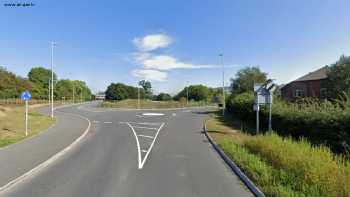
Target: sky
[{"x": 173, "y": 43}]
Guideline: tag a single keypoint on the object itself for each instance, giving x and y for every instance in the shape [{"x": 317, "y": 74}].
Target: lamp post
[
  {"x": 138, "y": 96},
  {"x": 187, "y": 94},
  {"x": 223, "y": 84},
  {"x": 53, "y": 44}
]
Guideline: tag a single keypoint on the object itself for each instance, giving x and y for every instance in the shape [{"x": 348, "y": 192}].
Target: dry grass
[{"x": 12, "y": 124}]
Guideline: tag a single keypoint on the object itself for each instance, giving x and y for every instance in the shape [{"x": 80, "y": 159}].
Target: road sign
[
  {"x": 25, "y": 96},
  {"x": 263, "y": 94}
]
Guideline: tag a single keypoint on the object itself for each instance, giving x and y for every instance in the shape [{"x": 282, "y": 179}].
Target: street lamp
[
  {"x": 187, "y": 93},
  {"x": 138, "y": 96},
  {"x": 53, "y": 44},
  {"x": 223, "y": 84}
]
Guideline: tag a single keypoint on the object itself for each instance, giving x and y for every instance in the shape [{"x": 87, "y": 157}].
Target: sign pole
[
  {"x": 26, "y": 117},
  {"x": 257, "y": 118},
  {"x": 270, "y": 114}
]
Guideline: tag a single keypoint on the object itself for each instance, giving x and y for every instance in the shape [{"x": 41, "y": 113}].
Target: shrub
[{"x": 320, "y": 122}]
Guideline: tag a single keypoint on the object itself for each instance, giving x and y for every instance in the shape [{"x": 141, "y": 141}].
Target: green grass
[
  {"x": 12, "y": 124},
  {"x": 148, "y": 104},
  {"x": 283, "y": 166}
]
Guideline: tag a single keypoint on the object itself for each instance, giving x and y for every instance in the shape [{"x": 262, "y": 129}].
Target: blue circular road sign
[{"x": 25, "y": 96}]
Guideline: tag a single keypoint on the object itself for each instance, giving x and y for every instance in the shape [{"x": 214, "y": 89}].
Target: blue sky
[{"x": 173, "y": 43}]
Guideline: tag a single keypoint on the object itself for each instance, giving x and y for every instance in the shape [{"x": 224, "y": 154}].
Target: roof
[{"x": 315, "y": 75}]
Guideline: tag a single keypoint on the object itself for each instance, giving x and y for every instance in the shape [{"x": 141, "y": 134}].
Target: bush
[{"x": 320, "y": 122}]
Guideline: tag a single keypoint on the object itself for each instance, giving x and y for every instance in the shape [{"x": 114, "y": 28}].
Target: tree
[
  {"x": 40, "y": 78},
  {"x": 338, "y": 82},
  {"x": 120, "y": 91},
  {"x": 245, "y": 79},
  {"x": 11, "y": 85},
  {"x": 163, "y": 97},
  {"x": 147, "y": 87},
  {"x": 195, "y": 92}
]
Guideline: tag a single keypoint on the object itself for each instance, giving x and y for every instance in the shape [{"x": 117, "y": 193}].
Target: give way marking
[{"x": 138, "y": 129}]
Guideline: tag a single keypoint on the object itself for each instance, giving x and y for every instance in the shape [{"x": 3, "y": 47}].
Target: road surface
[{"x": 149, "y": 153}]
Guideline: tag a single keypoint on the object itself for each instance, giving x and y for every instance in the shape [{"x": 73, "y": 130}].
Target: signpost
[
  {"x": 263, "y": 94},
  {"x": 25, "y": 96}
]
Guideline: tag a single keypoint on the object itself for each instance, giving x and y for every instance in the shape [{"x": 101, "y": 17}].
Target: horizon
[{"x": 169, "y": 45}]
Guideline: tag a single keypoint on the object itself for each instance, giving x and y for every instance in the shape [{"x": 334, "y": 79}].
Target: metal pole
[
  {"x": 270, "y": 114},
  {"x": 257, "y": 119},
  {"x": 52, "y": 85},
  {"x": 26, "y": 117},
  {"x": 49, "y": 91},
  {"x": 223, "y": 85},
  {"x": 73, "y": 93},
  {"x": 187, "y": 95},
  {"x": 138, "y": 97}
]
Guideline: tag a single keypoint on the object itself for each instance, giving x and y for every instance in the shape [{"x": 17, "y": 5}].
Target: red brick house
[{"x": 310, "y": 85}]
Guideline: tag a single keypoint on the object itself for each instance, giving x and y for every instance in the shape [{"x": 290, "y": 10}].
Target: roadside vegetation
[
  {"x": 307, "y": 154},
  {"x": 149, "y": 104},
  {"x": 119, "y": 95},
  {"x": 37, "y": 83},
  {"x": 282, "y": 166},
  {"x": 12, "y": 127}
]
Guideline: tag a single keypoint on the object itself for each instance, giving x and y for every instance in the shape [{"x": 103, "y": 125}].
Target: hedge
[{"x": 320, "y": 122}]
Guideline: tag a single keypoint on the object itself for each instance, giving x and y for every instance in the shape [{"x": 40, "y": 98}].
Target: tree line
[
  {"x": 38, "y": 82},
  {"x": 120, "y": 91}
]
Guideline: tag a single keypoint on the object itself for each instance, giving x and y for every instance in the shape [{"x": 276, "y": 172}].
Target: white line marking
[
  {"x": 140, "y": 161},
  {"x": 137, "y": 144},
  {"x": 153, "y": 114},
  {"x": 174, "y": 114},
  {"x": 144, "y": 151},
  {"x": 145, "y": 127},
  {"x": 147, "y": 136},
  {"x": 144, "y": 123},
  {"x": 107, "y": 122},
  {"x": 140, "y": 116},
  {"x": 50, "y": 160},
  {"x": 150, "y": 148}
]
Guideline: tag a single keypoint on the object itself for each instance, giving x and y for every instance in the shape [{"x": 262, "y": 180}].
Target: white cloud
[
  {"x": 152, "y": 42},
  {"x": 165, "y": 62},
  {"x": 148, "y": 74}
]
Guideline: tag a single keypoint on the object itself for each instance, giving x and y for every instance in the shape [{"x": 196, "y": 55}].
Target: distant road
[{"x": 135, "y": 153}]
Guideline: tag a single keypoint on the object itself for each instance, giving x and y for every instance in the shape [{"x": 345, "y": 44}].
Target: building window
[
  {"x": 323, "y": 93},
  {"x": 298, "y": 93}
]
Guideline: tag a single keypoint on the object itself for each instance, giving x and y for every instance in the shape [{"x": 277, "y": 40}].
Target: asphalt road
[{"x": 132, "y": 153}]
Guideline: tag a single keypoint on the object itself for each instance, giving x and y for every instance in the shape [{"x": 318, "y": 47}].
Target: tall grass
[{"x": 315, "y": 170}]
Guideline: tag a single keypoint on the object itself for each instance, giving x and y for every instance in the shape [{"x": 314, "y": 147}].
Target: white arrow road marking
[{"x": 142, "y": 161}]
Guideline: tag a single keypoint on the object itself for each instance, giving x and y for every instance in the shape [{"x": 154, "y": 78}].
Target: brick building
[{"x": 310, "y": 85}]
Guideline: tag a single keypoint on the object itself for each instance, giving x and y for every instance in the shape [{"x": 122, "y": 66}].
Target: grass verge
[
  {"x": 149, "y": 104},
  {"x": 12, "y": 124},
  {"x": 282, "y": 166}
]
